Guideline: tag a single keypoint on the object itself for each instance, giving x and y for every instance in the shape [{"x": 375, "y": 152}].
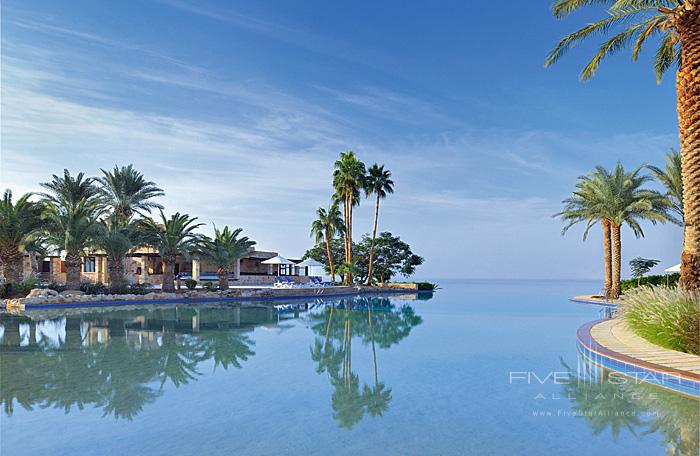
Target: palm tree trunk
[
  {"x": 168, "y": 275},
  {"x": 616, "y": 261},
  {"x": 116, "y": 274},
  {"x": 330, "y": 260},
  {"x": 608, "y": 256},
  {"x": 349, "y": 274},
  {"x": 371, "y": 248},
  {"x": 223, "y": 278},
  {"x": 328, "y": 328},
  {"x": 374, "y": 350},
  {"x": 688, "y": 92},
  {"x": 11, "y": 263},
  {"x": 73, "y": 262}
]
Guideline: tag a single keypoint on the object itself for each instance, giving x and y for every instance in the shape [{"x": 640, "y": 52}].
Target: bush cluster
[
  {"x": 426, "y": 286},
  {"x": 630, "y": 284},
  {"x": 665, "y": 316}
]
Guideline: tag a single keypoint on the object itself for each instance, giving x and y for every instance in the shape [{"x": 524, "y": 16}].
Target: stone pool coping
[
  {"x": 248, "y": 294},
  {"x": 594, "y": 299},
  {"x": 610, "y": 343}
]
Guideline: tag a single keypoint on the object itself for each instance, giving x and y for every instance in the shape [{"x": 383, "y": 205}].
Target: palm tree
[
  {"x": 378, "y": 182},
  {"x": 348, "y": 180},
  {"x": 17, "y": 222},
  {"x": 171, "y": 237},
  {"x": 224, "y": 250},
  {"x": 671, "y": 177},
  {"x": 586, "y": 205},
  {"x": 116, "y": 237},
  {"x": 71, "y": 219},
  {"x": 677, "y": 24},
  {"x": 328, "y": 224},
  {"x": 69, "y": 191},
  {"x": 628, "y": 203},
  {"x": 125, "y": 191},
  {"x": 71, "y": 228}
]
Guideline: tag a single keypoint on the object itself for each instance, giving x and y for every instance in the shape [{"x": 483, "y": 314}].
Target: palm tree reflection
[
  {"x": 375, "y": 321},
  {"x": 607, "y": 400},
  {"x": 119, "y": 361}
]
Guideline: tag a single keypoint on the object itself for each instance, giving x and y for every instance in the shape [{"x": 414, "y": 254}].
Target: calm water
[{"x": 446, "y": 375}]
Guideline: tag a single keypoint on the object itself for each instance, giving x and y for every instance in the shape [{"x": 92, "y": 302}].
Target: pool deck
[
  {"x": 612, "y": 344},
  {"x": 594, "y": 299}
]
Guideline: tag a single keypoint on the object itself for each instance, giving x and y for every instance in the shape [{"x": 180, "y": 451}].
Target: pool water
[{"x": 480, "y": 367}]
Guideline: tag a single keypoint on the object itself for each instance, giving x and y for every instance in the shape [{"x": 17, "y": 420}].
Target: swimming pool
[{"x": 484, "y": 367}]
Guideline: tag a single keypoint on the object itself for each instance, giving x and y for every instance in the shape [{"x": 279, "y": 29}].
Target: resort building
[{"x": 145, "y": 266}]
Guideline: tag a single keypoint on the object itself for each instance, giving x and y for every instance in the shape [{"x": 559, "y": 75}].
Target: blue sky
[{"x": 238, "y": 110}]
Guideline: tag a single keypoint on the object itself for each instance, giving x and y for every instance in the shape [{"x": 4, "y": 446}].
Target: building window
[
  {"x": 46, "y": 266},
  {"x": 89, "y": 264}
]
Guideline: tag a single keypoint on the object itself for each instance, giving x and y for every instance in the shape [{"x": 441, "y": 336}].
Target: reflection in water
[
  {"x": 608, "y": 400},
  {"x": 118, "y": 361},
  {"x": 375, "y": 321}
]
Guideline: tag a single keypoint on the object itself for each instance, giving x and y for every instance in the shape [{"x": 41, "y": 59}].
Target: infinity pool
[{"x": 481, "y": 367}]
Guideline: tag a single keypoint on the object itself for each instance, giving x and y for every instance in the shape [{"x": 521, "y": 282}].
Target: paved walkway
[{"x": 616, "y": 336}]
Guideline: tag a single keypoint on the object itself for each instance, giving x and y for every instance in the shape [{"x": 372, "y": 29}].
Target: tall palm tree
[
  {"x": 328, "y": 224},
  {"x": 586, "y": 205},
  {"x": 628, "y": 203},
  {"x": 671, "y": 177},
  {"x": 379, "y": 183},
  {"x": 676, "y": 23},
  {"x": 71, "y": 228},
  {"x": 125, "y": 191},
  {"x": 18, "y": 221},
  {"x": 224, "y": 250},
  {"x": 171, "y": 237},
  {"x": 348, "y": 180},
  {"x": 117, "y": 236}
]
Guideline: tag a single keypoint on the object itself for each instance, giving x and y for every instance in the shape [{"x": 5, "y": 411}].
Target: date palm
[
  {"x": 348, "y": 181},
  {"x": 18, "y": 221},
  {"x": 379, "y": 183},
  {"x": 69, "y": 191},
  {"x": 328, "y": 224},
  {"x": 71, "y": 228},
  {"x": 676, "y": 26},
  {"x": 225, "y": 249},
  {"x": 588, "y": 205},
  {"x": 628, "y": 203},
  {"x": 671, "y": 177},
  {"x": 125, "y": 191},
  {"x": 171, "y": 237},
  {"x": 116, "y": 236}
]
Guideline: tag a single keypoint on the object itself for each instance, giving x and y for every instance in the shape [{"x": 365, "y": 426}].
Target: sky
[{"x": 238, "y": 110}]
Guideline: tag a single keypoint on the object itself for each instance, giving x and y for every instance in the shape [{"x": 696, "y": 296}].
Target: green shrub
[
  {"x": 139, "y": 288},
  {"x": 98, "y": 288},
  {"x": 18, "y": 289},
  {"x": 665, "y": 316},
  {"x": 190, "y": 284},
  {"x": 629, "y": 284},
  {"x": 426, "y": 286},
  {"x": 59, "y": 287}
]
